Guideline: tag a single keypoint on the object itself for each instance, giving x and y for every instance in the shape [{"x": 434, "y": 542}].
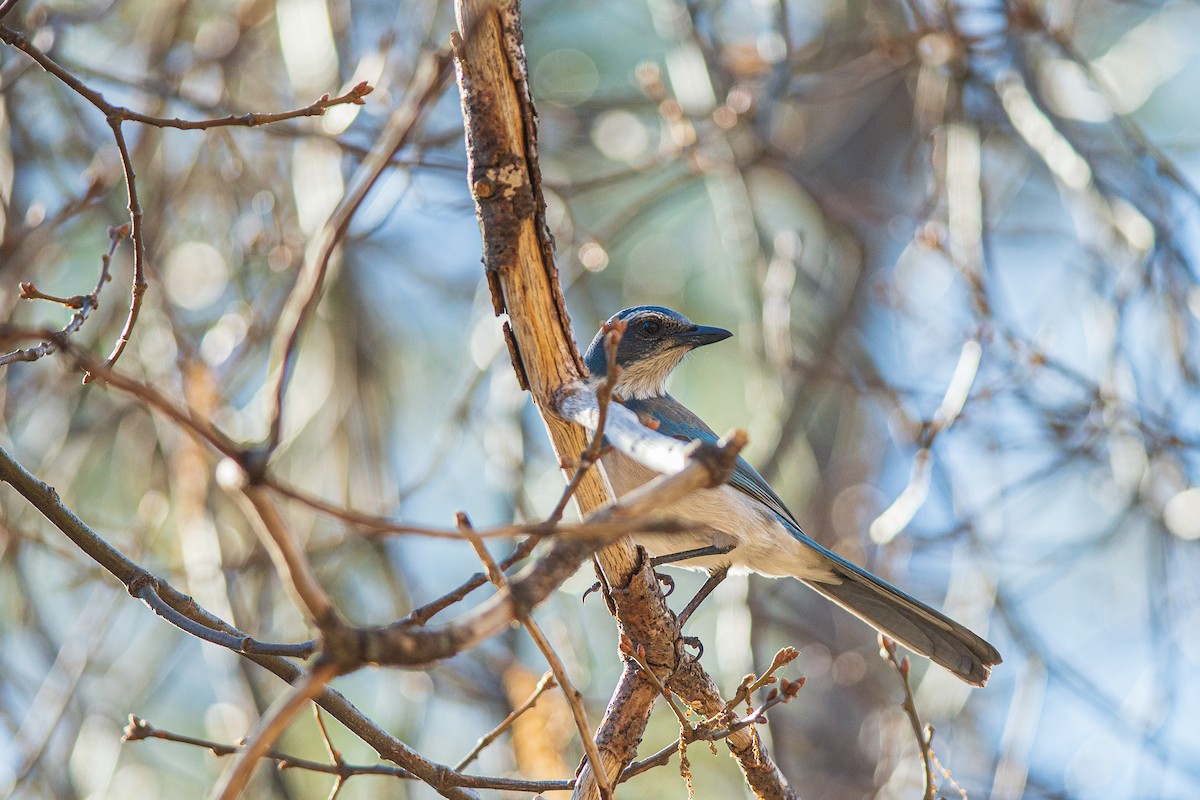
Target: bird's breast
[{"x": 722, "y": 517}]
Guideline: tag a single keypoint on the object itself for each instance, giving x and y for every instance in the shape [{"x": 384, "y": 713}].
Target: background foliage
[{"x": 890, "y": 204}]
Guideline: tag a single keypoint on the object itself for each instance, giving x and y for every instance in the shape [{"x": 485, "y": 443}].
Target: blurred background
[{"x": 956, "y": 242}]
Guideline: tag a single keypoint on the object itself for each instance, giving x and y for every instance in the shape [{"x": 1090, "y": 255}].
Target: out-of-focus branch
[
  {"x": 46, "y": 501},
  {"x": 270, "y": 728},
  {"x": 431, "y": 74},
  {"x": 922, "y": 732},
  {"x": 84, "y": 305},
  {"x": 116, "y": 115}
]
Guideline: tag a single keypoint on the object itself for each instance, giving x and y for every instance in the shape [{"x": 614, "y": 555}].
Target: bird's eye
[{"x": 649, "y": 327}]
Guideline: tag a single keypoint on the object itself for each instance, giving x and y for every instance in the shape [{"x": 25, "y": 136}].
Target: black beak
[{"x": 702, "y": 335}]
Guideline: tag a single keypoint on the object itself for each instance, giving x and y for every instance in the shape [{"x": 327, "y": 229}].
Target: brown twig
[
  {"x": 138, "y": 289},
  {"x": 374, "y": 525},
  {"x": 420, "y": 616},
  {"x": 270, "y": 728},
  {"x": 84, "y": 305},
  {"x": 751, "y": 683},
  {"x": 431, "y": 75},
  {"x": 291, "y": 563},
  {"x": 116, "y": 115},
  {"x": 573, "y": 696},
  {"x": 335, "y": 755},
  {"x": 922, "y": 732},
  {"x": 139, "y": 729},
  {"x": 547, "y": 682},
  {"x": 604, "y": 392}
]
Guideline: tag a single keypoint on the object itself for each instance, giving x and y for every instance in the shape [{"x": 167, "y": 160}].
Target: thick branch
[{"x": 518, "y": 257}]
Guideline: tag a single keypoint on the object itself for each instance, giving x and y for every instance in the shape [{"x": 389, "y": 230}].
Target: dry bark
[{"x": 501, "y": 135}]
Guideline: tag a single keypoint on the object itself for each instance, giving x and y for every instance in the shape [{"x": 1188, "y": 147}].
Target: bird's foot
[
  {"x": 687, "y": 555},
  {"x": 667, "y": 581},
  {"x": 694, "y": 642},
  {"x": 713, "y": 580},
  {"x": 595, "y": 587}
]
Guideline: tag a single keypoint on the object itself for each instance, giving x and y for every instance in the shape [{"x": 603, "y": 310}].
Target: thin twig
[
  {"x": 923, "y": 733},
  {"x": 420, "y": 616},
  {"x": 374, "y": 525},
  {"x": 147, "y": 592},
  {"x": 138, "y": 289},
  {"x": 335, "y": 755},
  {"x": 604, "y": 392},
  {"x": 751, "y": 684},
  {"x": 547, "y": 682},
  {"x": 116, "y": 115},
  {"x": 84, "y": 304},
  {"x": 270, "y": 728},
  {"x": 139, "y": 729},
  {"x": 20, "y": 41},
  {"x": 573, "y": 696},
  {"x": 431, "y": 75},
  {"x": 289, "y": 558}
]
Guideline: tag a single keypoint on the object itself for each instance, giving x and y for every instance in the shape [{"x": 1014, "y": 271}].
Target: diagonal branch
[
  {"x": 431, "y": 74},
  {"x": 501, "y": 132}
]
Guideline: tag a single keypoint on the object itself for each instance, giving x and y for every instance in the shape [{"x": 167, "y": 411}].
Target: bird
[{"x": 743, "y": 526}]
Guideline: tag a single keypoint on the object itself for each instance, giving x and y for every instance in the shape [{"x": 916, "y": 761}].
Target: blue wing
[
  {"x": 676, "y": 421},
  {"x": 909, "y": 621}
]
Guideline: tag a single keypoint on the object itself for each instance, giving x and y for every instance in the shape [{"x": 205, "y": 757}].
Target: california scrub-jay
[{"x": 743, "y": 525}]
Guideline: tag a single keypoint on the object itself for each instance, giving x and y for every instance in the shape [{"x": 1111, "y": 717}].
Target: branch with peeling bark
[{"x": 501, "y": 134}]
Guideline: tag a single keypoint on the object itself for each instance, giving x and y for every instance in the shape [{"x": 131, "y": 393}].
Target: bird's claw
[
  {"x": 595, "y": 587},
  {"x": 694, "y": 642},
  {"x": 667, "y": 581}
]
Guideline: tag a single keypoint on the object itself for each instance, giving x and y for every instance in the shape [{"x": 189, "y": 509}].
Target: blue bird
[{"x": 743, "y": 525}]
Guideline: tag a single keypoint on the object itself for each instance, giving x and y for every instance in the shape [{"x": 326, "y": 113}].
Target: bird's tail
[{"x": 910, "y": 622}]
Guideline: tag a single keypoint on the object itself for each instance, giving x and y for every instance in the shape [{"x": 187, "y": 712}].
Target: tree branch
[{"x": 505, "y": 181}]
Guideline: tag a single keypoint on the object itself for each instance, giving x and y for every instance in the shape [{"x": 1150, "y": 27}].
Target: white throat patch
[{"x": 648, "y": 377}]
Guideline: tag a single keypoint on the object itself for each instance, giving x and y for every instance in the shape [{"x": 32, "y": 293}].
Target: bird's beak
[{"x": 702, "y": 335}]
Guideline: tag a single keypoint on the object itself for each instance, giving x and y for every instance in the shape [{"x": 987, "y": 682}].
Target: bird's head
[{"x": 656, "y": 339}]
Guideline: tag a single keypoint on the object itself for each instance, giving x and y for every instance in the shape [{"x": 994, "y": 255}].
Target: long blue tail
[{"x": 910, "y": 622}]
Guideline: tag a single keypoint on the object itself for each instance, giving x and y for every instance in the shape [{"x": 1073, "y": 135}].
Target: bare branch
[
  {"x": 572, "y": 695},
  {"x": 270, "y": 728},
  {"x": 84, "y": 305},
  {"x": 922, "y": 732},
  {"x": 546, "y": 683},
  {"x": 431, "y": 75},
  {"x": 46, "y": 501}
]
